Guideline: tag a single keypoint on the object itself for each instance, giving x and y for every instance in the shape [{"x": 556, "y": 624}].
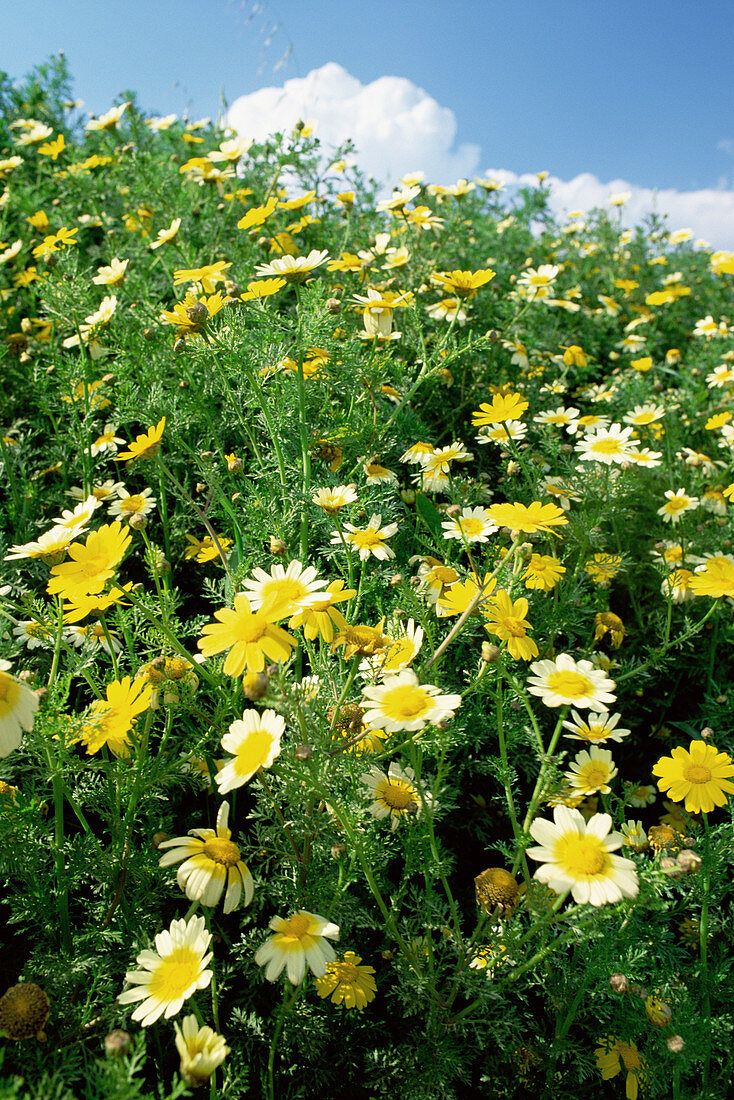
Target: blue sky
[{"x": 631, "y": 91}]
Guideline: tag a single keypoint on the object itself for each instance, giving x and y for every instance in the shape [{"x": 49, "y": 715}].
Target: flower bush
[{"x": 356, "y": 514}]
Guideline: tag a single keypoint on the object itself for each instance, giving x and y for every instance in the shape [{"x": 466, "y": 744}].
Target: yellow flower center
[
  {"x": 471, "y": 526},
  {"x": 607, "y": 446},
  {"x": 133, "y": 504},
  {"x": 515, "y": 627},
  {"x": 396, "y": 795},
  {"x": 345, "y": 973},
  {"x": 676, "y": 504},
  {"x": 222, "y": 851},
  {"x": 253, "y": 753},
  {"x": 571, "y": 685},
  {"x": 9, "y": 694},
  {"x": 594, "y": 732},
  {"x": 406, "y": 701},
  {"x": 697, "y": 773},
  {"x": 175, "y": 974},
  {"x": 595, "y": 775},
  {"x": 250, "y": 628},
  {"x": 368, "y": 537},
  {"x": 582, "y": 856},
  {"x": 296, "y": 926}
]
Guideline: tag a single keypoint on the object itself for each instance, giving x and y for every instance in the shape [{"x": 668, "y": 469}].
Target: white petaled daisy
[
  {"x": 100, "y": 490},
  {"x": 641, "y": 796},
  {"x": 577, "y": 855},
  {"x": 128, "y": 505},
  {"x": 417, "y": 454},
  {"x": 720, "y": 376},
  {"x": 591, "y": 771},
  {"x": 375, "y": 474},
  {"x": 597, "y": 727},
  {"x": 558, "y": 418},
  {"x": 300, "y": 939},
  {"x": 107, "y": 442},
  {"x": 394, "y": 794},
  {"x": 211, "y": 863},
  {"x": 332, "y": 500},
  {"x": 401, "y": 703},
  {"x": 536, "y": 283},
  {"x": 94, "y": 633},
  {"x": 634, "y": 835},
  {"x": 608, "y": 445},
  {"x": 676, "y": 504},
  {"x": 568, "y": 681},
  {"x": 431, "y": 480},
  {"x": 77, "y": 519},
  {"x": 254, "y": 741},
  {"x": 283, "y": 591},
  {"x": 200, "y": 1049},
  {"x": 370, "y": 539},
  {"x": 500, "y": 433},
  {"x": 587, "y": 423},
  {"x": 404, "y": 646},
  {"x": 33, "y": 634},
  {"x": 439, "y": 461},
  {"x": 471, "y": 525},
  {"x": 646, "y": 457},
  {"x": 18, "y": 705},
  {"x": 293, "y": 268},
  {"x": 170, "y": 974},
  {"x": 642, "y": 415}
]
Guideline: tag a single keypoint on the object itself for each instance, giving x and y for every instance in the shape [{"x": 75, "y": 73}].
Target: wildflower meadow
[{"x": 366, "y": 715}]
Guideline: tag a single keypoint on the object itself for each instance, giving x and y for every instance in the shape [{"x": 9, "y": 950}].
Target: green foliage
[{"x": 243, "y": 394}]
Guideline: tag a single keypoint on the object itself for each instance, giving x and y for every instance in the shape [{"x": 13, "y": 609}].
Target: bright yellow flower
[
  {"x": 462, "y": 284},
  {"x": 698, "y": 774},
  {"x": 543, "y": 571},
  {"x": 110, "y": 720},
  {"x": 715, "y": 578},
  {"x": 506, "y": 621},
  {"x": 249, "y": 637},
  {"x": 145, "y": 445},
  {"x": 348, "y": 983},
  {"x": 508, "y": 406},
  {"x": 92, "y": 564},
  {"x": 528, "y": 518}
]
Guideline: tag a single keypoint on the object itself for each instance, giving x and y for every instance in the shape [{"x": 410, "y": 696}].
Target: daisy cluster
[{"x": 345, "y": 543}]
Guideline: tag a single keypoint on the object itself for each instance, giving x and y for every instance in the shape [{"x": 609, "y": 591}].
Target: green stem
[
  {"x": 704, "y": 946},
  {"x": 62, "y": 897},
  {"x": 57, "y": 642},
  {"x": 288, "y": 1003}
]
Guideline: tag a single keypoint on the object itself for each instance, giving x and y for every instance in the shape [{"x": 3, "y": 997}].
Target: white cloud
[
  {"x": 708, "y": 213},
  {"x": 396, "y": 126}
]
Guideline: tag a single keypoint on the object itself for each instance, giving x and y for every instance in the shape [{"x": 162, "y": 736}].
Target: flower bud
[
  {"x": 198, "y": 313},
  {"x": 333, "y": 305},
  {"x": 688, "y": 861},
  {"x": 138, "y": 522},
  {"x": 117, "y": 1043},
  {"x": 303, "y": 753},
  {"x": 675, "y": 1044},
  {"x": 254, "y": 686},
  {"x": 278, "y": 547},
  {"x": 490, "y": 653},
  {"x": 618, "y": 983},
  {"x": 159, "y": 838}
]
